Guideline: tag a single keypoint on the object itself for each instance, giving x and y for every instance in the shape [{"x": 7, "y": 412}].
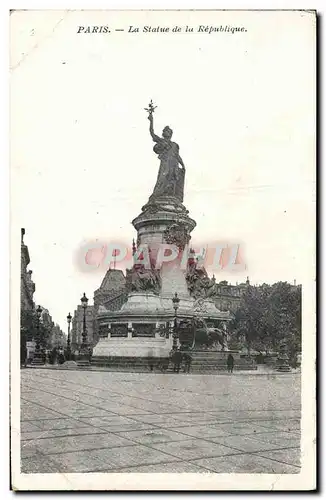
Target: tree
[
  {"x": 267, "y": 315},
  {"x": 29, "y": 325},
  {"x": 248, "y": 318},
  {"x": 285, "y": 304}
]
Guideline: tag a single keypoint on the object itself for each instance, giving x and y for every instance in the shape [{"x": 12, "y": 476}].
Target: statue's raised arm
[
  {"x": 150, "y": 110},
  {"x": 155, "y": 137}
]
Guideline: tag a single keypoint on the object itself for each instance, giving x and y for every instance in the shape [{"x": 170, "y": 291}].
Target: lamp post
[
  {"x": 175, "y": 301},
  {"x": 84, "y": 352},
  {"x": 68, "y": 338},
  {"x": 38, "y": 355},
  {"x": 283, "y": 358}
]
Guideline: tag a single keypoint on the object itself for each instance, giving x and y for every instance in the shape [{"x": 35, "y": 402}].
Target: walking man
[
  {"x": 230, "y": 363},
  {"x": 177, "y": 358}
]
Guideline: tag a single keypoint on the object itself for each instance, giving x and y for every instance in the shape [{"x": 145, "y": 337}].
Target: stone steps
[
  {"x": 197, "y": 365},
  {"x": 121, "y": 361}
]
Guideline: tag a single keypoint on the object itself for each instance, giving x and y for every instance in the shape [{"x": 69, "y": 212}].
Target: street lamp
[
  {"x": 283, "y": 358},
  {"x": 175, "y": 301},
  {"x": 84, "y": 301},
  {"x": 83, "y": 352},
  {"x": 38, "y": 355},
  {"x": 68, "y": 339}
]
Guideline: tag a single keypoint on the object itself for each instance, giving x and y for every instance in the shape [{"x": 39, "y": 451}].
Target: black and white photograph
[{"x": 163, "y": 200}]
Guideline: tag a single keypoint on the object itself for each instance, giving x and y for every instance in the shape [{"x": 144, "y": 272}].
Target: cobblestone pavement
[{"x": 82, "y": 421}]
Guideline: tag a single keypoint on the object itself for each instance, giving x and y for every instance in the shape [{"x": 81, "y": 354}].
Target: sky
[{"x": 242, "y": 108}]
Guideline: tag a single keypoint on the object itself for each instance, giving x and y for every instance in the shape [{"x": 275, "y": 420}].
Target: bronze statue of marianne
[{"x": 171, "y": 174}]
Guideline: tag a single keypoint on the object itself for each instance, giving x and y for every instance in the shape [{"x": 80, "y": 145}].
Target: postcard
[{"x": 163, "y": 200}]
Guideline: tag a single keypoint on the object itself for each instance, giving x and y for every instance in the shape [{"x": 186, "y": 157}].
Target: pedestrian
[
  {"x": 151, "y": 359},
  {"x": 23, "y": 354},
  {"x": 177, "y": 358},
  {"x": 187, "y": 360},
  {"x": 53, "y": 356},
  {"x": 230, "y": 363},
  {"x": 61, "y": 358}
]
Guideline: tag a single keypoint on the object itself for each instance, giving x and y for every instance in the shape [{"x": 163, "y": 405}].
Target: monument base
[
  {"x": 83, "y": 359},
  {"x": 38, "y": 359},
  {"x": 132, "y": 348},
  {"x": 144, "y": 325}
]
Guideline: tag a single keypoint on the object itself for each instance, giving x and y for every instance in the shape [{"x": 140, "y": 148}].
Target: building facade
[
  {"x": 51, "y": 335},
  {"x": 112, "y": 292},
  {"x": 27, "y": 306},
  {"x": 228, "y": 297},
  {"x": 27, "y": 286},
  {"x": 58, "y": 338}
]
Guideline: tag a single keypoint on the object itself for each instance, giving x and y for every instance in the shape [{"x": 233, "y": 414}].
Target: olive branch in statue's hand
[{"x": 150, "y": 110}]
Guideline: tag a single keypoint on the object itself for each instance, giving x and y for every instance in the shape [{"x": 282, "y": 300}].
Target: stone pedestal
[
  {"x": 83, "y": 359},
  {"x": 163, "y": 221},
  {"x": 38, "y": 358},
  {"x": 283, "y": 358},
  {"x": 283, "y": 363},
  {"x": 166, "y": 222}
]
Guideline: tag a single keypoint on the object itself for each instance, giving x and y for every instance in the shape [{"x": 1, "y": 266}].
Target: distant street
[{"x": 82, "y": 421}]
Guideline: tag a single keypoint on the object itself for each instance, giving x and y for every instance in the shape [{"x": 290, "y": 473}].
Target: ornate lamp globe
[
  {"x": 69, "y": 318},
  {"x": 39, "y": 311},
  {"x": 84, "y": 301}
]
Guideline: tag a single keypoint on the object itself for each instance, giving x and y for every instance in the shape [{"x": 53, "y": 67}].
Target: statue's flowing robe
[{"x": 170, "y": 178}]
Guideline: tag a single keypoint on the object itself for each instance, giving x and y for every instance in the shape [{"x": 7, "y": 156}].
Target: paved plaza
[{"x": 87, "y": 421}]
